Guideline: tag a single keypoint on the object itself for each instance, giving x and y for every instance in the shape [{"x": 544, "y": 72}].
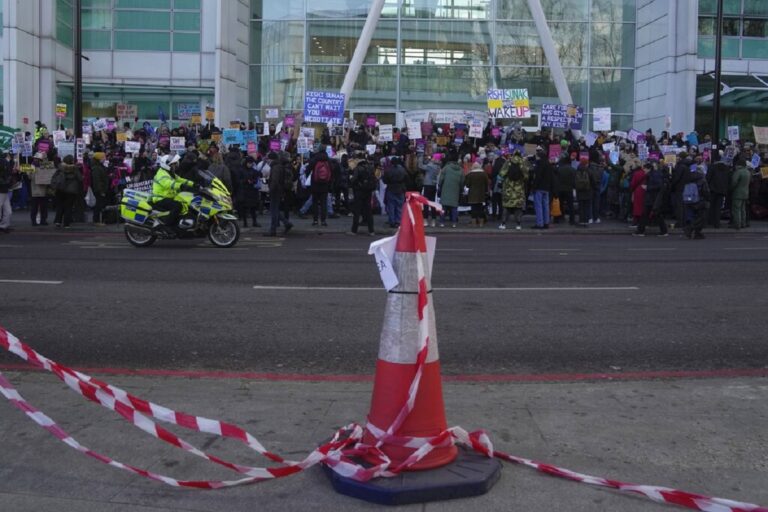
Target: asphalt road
[{"x": 517, "y": 304}]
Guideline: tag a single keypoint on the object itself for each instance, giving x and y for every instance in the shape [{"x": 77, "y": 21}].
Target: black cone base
[{"x": 469, "y": 475}]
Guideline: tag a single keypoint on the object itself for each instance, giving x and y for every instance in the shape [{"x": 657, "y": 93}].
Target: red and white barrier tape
[{"x": 337, "y": 453}]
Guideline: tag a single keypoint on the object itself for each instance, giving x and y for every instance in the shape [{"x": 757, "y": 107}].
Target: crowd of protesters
[{"x": 508, "y": 173}]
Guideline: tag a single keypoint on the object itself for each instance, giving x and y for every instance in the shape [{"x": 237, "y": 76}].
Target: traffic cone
[{"x": 409, "y": 317}]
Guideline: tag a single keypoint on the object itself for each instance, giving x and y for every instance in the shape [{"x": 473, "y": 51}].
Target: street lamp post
[
  {"x": 77, "y": 101},
  {"x": 718, "y": 71}
]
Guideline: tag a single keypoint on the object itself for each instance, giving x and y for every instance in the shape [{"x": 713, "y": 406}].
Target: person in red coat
[{"x": 638, "y": 187}]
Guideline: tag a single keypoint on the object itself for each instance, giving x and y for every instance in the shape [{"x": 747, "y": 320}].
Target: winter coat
[
  {"x": 451, "y": 183},
  {"x": 477, "y": 181},
  {"x": 247, "y": 195},
  {"x": 719, "y": 178},
  {"x": 431, "y": 172},
  {"x": 543, "y": 176},
  {"x": 566, "y": 178},
  {"x": 317, "y": 186},
  {"x": 584, "y": 195},
  {"x": 74, "y": 179},
  {"x": 6, "y": 170},
  {"x": 638, "y": 192},
  {"x": 394, "y": 177},
  {"x": 513, "y": 192},
  {"x": 596, "y": 173},
  {"x": 740, "y": 183},
  {"x": 655, "y": 184},
  {"x": 99, "y": 179}
]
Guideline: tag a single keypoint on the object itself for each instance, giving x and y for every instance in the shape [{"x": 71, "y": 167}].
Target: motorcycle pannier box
[{"x": 135, "y": 205}]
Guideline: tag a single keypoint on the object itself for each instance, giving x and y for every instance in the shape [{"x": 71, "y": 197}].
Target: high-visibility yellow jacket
[{"x": 167, "y": 186}]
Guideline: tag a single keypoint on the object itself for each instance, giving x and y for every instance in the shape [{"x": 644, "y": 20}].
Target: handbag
[
  {"x": 556, "y": 211},
  {"x": 90, "y": 198}
]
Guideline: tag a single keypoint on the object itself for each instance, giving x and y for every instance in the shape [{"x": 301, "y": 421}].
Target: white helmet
[{"x": 166, "y": 161}]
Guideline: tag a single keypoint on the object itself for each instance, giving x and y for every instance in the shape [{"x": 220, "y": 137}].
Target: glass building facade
[{"x": 442, "y": 53}]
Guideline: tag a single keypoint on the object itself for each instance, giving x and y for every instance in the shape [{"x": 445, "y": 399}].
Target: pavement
[
  {"x": 701, "y": 434},
  {"x": 342, "y": 224},
  {"x": 698, "y": 435}
]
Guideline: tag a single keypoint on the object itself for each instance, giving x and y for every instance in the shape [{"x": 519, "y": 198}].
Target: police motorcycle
[{"x": 205, "y": 212}]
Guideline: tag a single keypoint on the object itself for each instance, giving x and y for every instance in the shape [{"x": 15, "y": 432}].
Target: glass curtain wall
[
  {"x": 745, "y": 29},
  {"x": 442, "y": 53}
]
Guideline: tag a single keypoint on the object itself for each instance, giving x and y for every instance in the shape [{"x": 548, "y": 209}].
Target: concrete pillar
[{"x": 231, "y": 61}]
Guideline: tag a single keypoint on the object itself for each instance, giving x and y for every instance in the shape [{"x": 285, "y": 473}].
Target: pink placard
[
  {"x": 495, "y": 131},
  {"x": 370, "y": 121},
  {"x": 274, "y": 145},
  {"x": 290, "y": 120}
]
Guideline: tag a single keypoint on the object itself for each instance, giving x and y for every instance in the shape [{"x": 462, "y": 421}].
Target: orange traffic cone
[{"x": 408, "y": 319}]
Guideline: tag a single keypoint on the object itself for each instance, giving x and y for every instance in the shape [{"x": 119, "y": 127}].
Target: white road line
[
  {"x": 746, "y": 248},
  {"x": 653, "y": 249},
  {"x": 521, "y": 289},
  {"x": 24, "y": 281},
  {"x": 554, "y": 250}
]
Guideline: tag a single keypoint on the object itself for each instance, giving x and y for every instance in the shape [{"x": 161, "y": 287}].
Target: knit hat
[{"x": 99, "y": 156}]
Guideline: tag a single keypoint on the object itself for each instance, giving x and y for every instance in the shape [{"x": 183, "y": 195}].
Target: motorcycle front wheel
[
  {"x": 224, "y": 233},
  {"x": 138, "y": 237}
]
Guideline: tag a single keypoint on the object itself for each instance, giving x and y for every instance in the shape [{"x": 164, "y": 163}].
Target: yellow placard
[
  {"x": 121, "y": 137},
  {"x": 494, "y": 104},
  {"x": 196, "y": 119},
  {"x": 764, "y": 172},
  {"x": 670, "y": 159},
  {"x": 210, "y": 113},
  {"x": 234, "y": 124},
  {"x": 216, "y": 137}
]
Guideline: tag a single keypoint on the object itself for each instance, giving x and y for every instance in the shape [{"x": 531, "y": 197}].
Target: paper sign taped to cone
[{"x": 384, "y": 252}]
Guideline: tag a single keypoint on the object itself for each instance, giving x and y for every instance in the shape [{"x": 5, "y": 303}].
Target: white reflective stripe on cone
[{"x": 400, "y": 339}]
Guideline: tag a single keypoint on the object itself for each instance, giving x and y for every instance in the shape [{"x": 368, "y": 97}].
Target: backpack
[
  {"x": 691, "y": 193},
  {"x": 322, "y": 173},
  {"x": 365, "y": 179},
  {"x": 58, "y": 181},
  {"x": 582, "y": 182},
  {"x": 514, "y": 171}
]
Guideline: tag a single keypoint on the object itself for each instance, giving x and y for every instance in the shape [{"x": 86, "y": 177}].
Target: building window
[
  {"x": 65, "y": 15},
  {"x": 142, "y": 25},
  {"x": 745, "y": 27}
]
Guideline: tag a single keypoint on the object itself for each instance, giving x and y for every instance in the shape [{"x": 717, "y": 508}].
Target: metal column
[
  {"x": 362, "y": 48},
  {"x": 548, "y": 45}
]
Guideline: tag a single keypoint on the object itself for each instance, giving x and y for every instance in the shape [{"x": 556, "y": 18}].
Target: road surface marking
[
  {"x": 521, "y": 289},
  {"x": 352, "y": 249},
  {"x": 746, "y": 248},
  {"x": 554, "y": 250},
  {"x": 24, "y": 281},
  {"x": 653, "y": 249}
]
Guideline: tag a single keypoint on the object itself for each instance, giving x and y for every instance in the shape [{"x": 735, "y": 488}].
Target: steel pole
[
  {"x": 77, "y": 101},
  {"x": 361, "y": 50},
  {"x": 718, "y": 71}
]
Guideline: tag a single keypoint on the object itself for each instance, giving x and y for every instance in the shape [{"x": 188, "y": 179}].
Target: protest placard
[
  {"x": 79, "y": 150},
  {"x": 61, "y": 110},
  {"x": 601, "y": 119},
  {"x": 232, "y": 137},
  {"x": 733, "y": 133},
  {"x": 475, "y": 128},
  {"x": 385, "y": 133},
  {"x": 761, "y": 134},
  {"x": 414, "y": 130},
  {"x": 274, "y": 145},
  {"x": 185, "y": 111},
  {"x": 302, "y": 145},
  {"x": 210, "y": 113},
  {"x": 66, "y": 148},
  {"x": 609, "y": 146},
  {"x": 323, "y": 106},
  {"x": 271, "y": 112},
  {"x": 590, "y": 138},
  {"x": 370, "y": 148},
  {"x": 642, "y": 151},
  {"x": 132, "y": 147},
  {"x": 126, "y": 111},
  {"x": 178, "y": 143},
  {"x": 755, "y": 161},
  {"x": 633, "y": 135},
  {"x": 561, "y": 116},
  {"x": 620, "y": 134},
  {"x": 59, "y": 136},
  {"x": 100, "y": 125},
  {"x": 555, "y": 150},
  {"x": 530, "y": 149},
  {"x": 290, "y": 120},
  {"x": 508, "y": 103}
]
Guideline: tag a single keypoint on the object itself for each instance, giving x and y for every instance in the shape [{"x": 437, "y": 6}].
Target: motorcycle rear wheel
[
  {"x": 139, "y": 238},
  {"x": 224, "y": 234}
]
